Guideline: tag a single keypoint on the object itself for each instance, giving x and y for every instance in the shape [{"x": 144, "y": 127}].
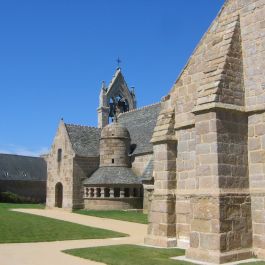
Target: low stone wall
[
  {"x": 35, "y": 190},
  {"x": 113, "y": 203}
]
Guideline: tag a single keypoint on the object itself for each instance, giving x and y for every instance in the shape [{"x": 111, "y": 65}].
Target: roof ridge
[
  {"x": 79, "y": 125},
  {"x": 118, "y": 70},
  {"x": 141, "y": 108}
]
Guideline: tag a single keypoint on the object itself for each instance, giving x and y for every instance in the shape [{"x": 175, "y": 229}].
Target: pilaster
[
  {"x": 221, "y": 229},
  {"x": 162, "y": 216}
]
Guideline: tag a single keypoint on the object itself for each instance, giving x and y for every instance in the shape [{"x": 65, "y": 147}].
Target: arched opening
[
  {"x": 135, "y": 192},
  {"x": 126, "y": 192},
  {"x": 98, "y": 192},
  {"x": 59, "y": 195},
  {"x": 87, "y": 192},
  {"x": 117, "y": 192},
  {"x": 118, "y": 104},
  {"x": 107, "y": 192},
  {"x": 92, "y": 192}
]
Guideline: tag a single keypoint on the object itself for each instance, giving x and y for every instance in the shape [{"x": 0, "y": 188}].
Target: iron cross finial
[{"x": 118, "y": 62}]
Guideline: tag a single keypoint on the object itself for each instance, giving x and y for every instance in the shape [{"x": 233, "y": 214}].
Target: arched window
[{"x": 59, "y": 155}]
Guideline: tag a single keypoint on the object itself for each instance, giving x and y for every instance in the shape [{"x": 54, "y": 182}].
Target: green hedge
[{"x": 11, "y": 197}]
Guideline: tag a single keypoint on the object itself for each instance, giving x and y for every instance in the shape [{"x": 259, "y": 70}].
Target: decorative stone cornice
[{"x": 217, "y": 105}]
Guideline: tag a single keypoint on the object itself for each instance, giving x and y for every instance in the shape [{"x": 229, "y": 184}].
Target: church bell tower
[{"x": 114, "y": 99}]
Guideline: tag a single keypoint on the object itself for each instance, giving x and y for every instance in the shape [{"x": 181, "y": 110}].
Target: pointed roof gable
[
  {"x": 222, "y": 79},
  {"x": 117, "y": 78},
  {"x": 118, "y": 86},
  {"x": 213, "y": 75}
]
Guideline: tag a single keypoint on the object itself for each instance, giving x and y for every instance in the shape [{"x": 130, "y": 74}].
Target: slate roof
[
  {"x": 17, "y": 167},
  {"x": 140, "y": 124},
  {"x": 84, "y": 139},
  {"x": 113, "y": 175}
]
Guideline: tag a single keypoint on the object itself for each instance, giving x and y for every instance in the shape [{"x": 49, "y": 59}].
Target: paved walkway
[{"x": 49, "y": 253}]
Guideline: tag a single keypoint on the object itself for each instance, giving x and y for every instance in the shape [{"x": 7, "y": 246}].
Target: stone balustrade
[{"x": 103, "y": 192}]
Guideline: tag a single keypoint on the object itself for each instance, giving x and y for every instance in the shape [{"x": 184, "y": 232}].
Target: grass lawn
[
  {"x": 129, "y": 216},
  {"x": 18, "y": 227},
  {"x": 129, "y": 255},
  {"x": 254, "y": 263}
]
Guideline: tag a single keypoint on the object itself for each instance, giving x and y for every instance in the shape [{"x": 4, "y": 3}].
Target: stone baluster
[
  {"x": 87, "y": 192},
  {"x": 92, "y": 192},
  {"x": 102, "y": 193},
  {"x": 111, "y": 193},
  {"x": 122, "y": 193},
  {"x": 98, "y": 192}
]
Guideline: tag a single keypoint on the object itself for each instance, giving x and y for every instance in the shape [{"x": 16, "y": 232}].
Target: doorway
[{"x": 59, "y": 195}]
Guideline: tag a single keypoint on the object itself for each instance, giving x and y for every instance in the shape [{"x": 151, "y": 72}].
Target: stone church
[
  {"x": 204, "y": 145},
  {"x": 108, "y": 167}
]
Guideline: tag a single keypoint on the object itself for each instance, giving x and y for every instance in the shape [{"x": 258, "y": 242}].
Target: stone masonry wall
[
  {"x": 232, "y": 140},
  {"x": 253, "y": 45},
  {"x": 221, "y": 208},
  {"x": 113, "y": 204},
  {"x": 256, "y": 145},
  {"x": 83, "y": 168},
  {"x": 60, "y": 171},
  {"x": 140, "y": 162},
  {"x": 113, "y": 152},
  {"x": 186, "y": 180}
]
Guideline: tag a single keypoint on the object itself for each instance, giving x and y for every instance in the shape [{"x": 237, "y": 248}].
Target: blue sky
[{"x": 54, "y": 55}]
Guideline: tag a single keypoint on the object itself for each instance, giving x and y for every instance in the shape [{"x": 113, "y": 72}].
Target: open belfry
[{"x": 209, "y": 144}]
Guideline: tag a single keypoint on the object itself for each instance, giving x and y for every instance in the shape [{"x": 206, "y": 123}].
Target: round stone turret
[{"x": 114, "y": 146}]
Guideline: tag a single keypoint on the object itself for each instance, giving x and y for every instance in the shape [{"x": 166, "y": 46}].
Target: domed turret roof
[{"x": 115, "y": 130}]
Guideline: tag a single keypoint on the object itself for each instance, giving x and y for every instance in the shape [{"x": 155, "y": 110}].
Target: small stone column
[
  {"x": 102, "y": 193},
  {"x": 87, "y": 192},
  {"x": 111, "y": 193},
  {"x": 92, "y": 192},
  {"x": 98, "y": 192},
  {"x": 122, "y": 193}
]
